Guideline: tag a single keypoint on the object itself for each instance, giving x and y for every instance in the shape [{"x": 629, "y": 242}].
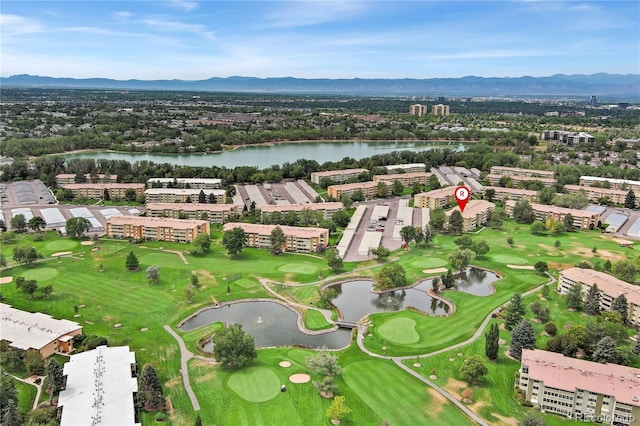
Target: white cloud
[
  {"x": 187, "y": 6},
  {"x": 304, "y": 13},
  {"x": 169, "y": 25},
  {"x": 122, "y": 15},
  {"x": 18, "y": 25}
]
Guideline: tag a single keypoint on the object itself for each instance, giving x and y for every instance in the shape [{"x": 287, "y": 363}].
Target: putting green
[
  {"x": 61, "y": 245},
  {"x": 505, "y": 258},
  {"x": 40, "y": 274},
  {"x": 299, "y": 268},
  {"x": 399, "y": 330},
  {"x": 255, "y": 384},
  {"x": 429, "y": 263}
]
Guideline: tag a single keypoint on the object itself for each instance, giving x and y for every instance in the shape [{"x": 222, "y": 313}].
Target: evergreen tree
[
  {"x": 198, "y": 421},
  {"x": 105, "y": 195},
  {"x": 574, "y": 297},
  {"x": 8, "y": 393},
  {"x": 11, "y": 416},
  {"x": 491, "y": 344},
  {"x": 522, "y": 337},
  {"x": 132, "y": 262},
  {"x": 202, "y": 198},
  {"x": 277, "y": 240},
  {"x": 630, "y": 200},
  {"x": 55, "y": 377},
  {"x": 607, "y": 351},
  {"x": 456, "y": 222},
  {"x": 636, "y": 348},
  {"x": 212, "y": 198},
  {"x": 473, "y": 369},
  {"x": 523, "y": 212},
  {"x": 514, "y": 312},
  {"x": 150, "y": 390},
  {"x": 621, "y": 306},
  {"x": 592, "y": 301}
]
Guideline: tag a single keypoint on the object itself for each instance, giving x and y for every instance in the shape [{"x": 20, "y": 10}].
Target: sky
[{"x": 193, "y": 40}]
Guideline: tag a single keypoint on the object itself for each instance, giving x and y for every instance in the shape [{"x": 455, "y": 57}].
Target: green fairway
[
  {"x": 505, "y": 258},
  {"x": 314, "y": 320},
  {"x": 40, "y": 274},
  {"x": 429, "y": 263},
  {"x": 255, "y": 384},
  {"x": 399, "y": 330},
  {"x": 299, "y": 268},
  {"x": 61, "y": 245}
]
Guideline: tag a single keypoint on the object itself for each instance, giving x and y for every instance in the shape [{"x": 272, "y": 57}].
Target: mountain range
[{"x": 613, "y": 86}]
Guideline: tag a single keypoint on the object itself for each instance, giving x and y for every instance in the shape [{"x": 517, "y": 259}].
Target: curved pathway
[
  {"x": 185, "y": 356},
  {"x": 31, "y": 381}
]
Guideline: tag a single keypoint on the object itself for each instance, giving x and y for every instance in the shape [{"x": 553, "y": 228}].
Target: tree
[
  {"x": 341, "y": 218},
  {"x": 434, "y": 183},
  {"x": 557, "y": 244},
  {"x": 460, "y": 259},
  {"x": 541, "y": 266},
  {"x": 188, "y": 294},
  {"x": 212, "y": 198},
  {"x": 132, "y": 263},
  {"x": 55, "y": 377},
  {"x": 201, "y": 243},
  {"x": 428, "y": 234},
  {"x": 522, "y": 212},
  {"x": 463, "y": 242},
  {"x": 491, "y": 343},
  {"x": 621, "y": 306},
  {"x": 438, "y": 219},
  {"x": 522, "y": 337},
  {"x": 337, "y": 409},
  {"x": 382, "y": 252},
  {"x": 397, "y": 188},
  {"x": 8, "y": 395},
  {"x": 27, "y": 286},
  {"x": 234, "y": 241},
  {"x": 105, "y": 195},
  {"x": 473, "y": 369},
  {"x": 489, "y": 194},
  {"x": 198, "y": 421},
  {"x": 546, "y": 194},
  {"x": 77, "y": 226},
  {"x": 562, "y": 344},
  {"x": 232, "y": 347},
  {"x": 514, "y": 312},
  {"x": 26, "y": 255},
  {"x": 153, "y": 274},
  {"x": 480, "y": 248},
  {"x": 33, "y": 362},
  {"x": 607, "y": 351},
  {"x": 630, "y": 200},
  {"x": 195, "y": 282},
  {"x": 389, "y": 277},
  {"x": 46, "y": 291},
  {"x": 202, "y": 198},
  {"x": 277, "y": 240},
  {"x": 11, "y": 416},
  {"x": 447, "y": 280},
  {"x": 550, "y": 328},
  {"x": 541, "y": 312},
  {"x": 636, "y": 348},
  {"x": 538, "y": 228},
  {"x": 358, "y": 195},
  {"x": 625, "y": 270},
  {"x": 592, "y": 301},
  {"x": 574, "y": 297},
  {"x": 407, "y": 233},
  {"x": 150, "y": 390},
  {"x": 3, "y": 260},
  {"x": 532, "y": 419},
  {"x": 36, "y": 223},
  {"x": 567, "y": 220},
  {"x": 456, "y": 223},
  {"x": 18, "y": 223},
  {"x": 326, "y": 386},
  {"x": 416, "y": 188},
  {"x": 324, "y": 363},
  {"x": 333, "y": 260}
]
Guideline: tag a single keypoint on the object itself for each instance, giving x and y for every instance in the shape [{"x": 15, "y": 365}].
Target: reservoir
[{"x": 264, "y": 156}]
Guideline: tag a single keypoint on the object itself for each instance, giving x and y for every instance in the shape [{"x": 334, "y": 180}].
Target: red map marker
[{"x": 462, "y": 195}]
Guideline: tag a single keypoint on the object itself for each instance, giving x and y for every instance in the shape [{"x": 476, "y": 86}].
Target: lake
[{"x": 264, "y": 156}]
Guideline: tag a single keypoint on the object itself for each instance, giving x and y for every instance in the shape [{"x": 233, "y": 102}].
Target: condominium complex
[
  {"x": 369, "y": 189},
  {"x": 184, "y": 195},
  {"x": 438, "y": 198},
  {"x": 304, "y": 240},
  {"x": 582, "y": 390},
  {"x": 616, "y": 196},
  {"x": 418, "y": 110},
  {"x": 621, "y": 184},
  {"x": 192, "y": 183},
  {"x": 569, "y": 138},
  {"x": 327, "y": 209},
  {"x": 336, "y": 175},
  {"x": 610, "y": 287},
  {"x": 504, "y": 194},
  {"x": 96, "y": 191},
  {"x": 214, "y": 213},
  {"x": 407, "y": 168},
  {"x": 475, "y": 214},
  {"x": 406, "y": 179},
  {"x": 518, "y": 175},
  {"x": 440, "y": 110},
  {"x": 36, "y": 331},
  {"x": 582, "y": 219},
  {"x": 66, "y": 178},
  {"x": 100, "y": 388},
  {"x": 155, "y": 228}
]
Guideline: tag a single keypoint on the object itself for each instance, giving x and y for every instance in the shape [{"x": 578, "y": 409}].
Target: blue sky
[{"x": 322, "y": 39}]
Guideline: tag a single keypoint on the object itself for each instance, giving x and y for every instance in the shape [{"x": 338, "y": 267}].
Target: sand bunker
[
  {"x": 285, "y": 364},
  {"x": 5, "y": 280},
  {"x": 61, "y": 253},
  {"x": 520, "y": 266},
  {"x": 434, "y": 270},
  {"x": 88, "y": 243},
  {"x": 299, "y": 378}
]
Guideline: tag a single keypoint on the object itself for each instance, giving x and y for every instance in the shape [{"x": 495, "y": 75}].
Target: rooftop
[
  {"x": 156, "y": 222},
  {"x": 339, "y": 172},
  {"x": 183, "y": 191},
  {"x": 299, "y": 207},
  {"x": 473, "y": 208},
  {"x": 521, "y": 177},
  {"x": 513, "y": 190},
  {"x": 609, "y": 284},
  {"x": 612, "y": 180},
  {"x": 295, "y": 231},
  {"x": 593, "y": 188},
  {"x": 357, "y": 185},
  {"x": 497, "y": 169},
  {"x": 447, "y": 191},
  {"x": 190, "y": 206},
  {"x": 103, "y": 185},
  {"x": 555, "y": 209}
]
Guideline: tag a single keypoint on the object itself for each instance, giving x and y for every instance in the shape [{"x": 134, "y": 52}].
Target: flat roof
[
  {"x": 595, "y": 189},
  {"x": 473, "y": 208},
  {"x": 570, "y": 374},
  {"x": 99, "y": 389},
  {"x": 405, "y": 166},
  {"x": 190, "y": 206},
  {"x": 555, "y": 209},
  {"x": 52, "y": 216},
  {"x": 295, "y": 231},
  {"x": 31, "y": 330},
  {"x": 608, "y": 284},
  {"x": 357, "y": 185},
  {"x": 513, "y": 190},
  {"x": 439, "y": 193},
  {"x": 269, "y": 208},
  {"x": 521, "y": 177},
  {"x": 183, "y": 191},
  {"x": 612, "y": 180},
  {"x": 185, "y": 180},
  {"x": 520, "y": 170},
  {"x": 402, "y": 175},
  {"x": 156, "y": 222},
  {"x": 103, "y": 185},
  {"x": 339, "y": 172}
]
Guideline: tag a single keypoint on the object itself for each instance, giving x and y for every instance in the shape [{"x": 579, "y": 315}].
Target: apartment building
[
  {"x": 214, "y": 213},
  {"x": 66, "y": 178},
  {"x": 155, "y": 228},
  {"x": 191, "y": 183},
  {"x": 610, "y": 287},
  {"x": 582, "y": 219},
  {"x": 616, "y": 196},
  {"x": 438, "y": 198},
  {"x": 516, "y": 194},
  {"x": 336, "y": 176},
  {"x": 440, "y": 109},
  {"x": 568, "y": 138},
  {"x": 475, "y": 214},
  {"x": 406, "y": 179},
  {"x": 96, "y": 191},
  {"x": 406, "y": 168},
  {"x": 519, "y": 175},
  {"x": 369, "y": 189},
  {"x": 582, "y": 390},
  {"x": 418, "y": 110},
  {"x": 327, "y": 209},
  {"x": 300, "y": 240},
  {"x": 183, "y": 195},
  {"x": 620, "y": 184},
  {"x": 517, "y": 180}
]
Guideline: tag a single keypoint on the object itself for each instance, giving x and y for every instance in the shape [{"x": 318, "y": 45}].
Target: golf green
[
  {"x": 40, "y": 274},
  {"x": 428, "y": 263},
  {"x": 299, "y": 268},
  {"x": 61, "y": 245},
  {"x": 399, "y": 330},
  {"x": 505, "y": 258},
  {"x": 255, "y": 384}
]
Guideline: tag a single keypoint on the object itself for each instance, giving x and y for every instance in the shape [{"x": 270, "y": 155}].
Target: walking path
[
  {"x": 32, "y": 381},
  {"x": 185, "y": 356}
]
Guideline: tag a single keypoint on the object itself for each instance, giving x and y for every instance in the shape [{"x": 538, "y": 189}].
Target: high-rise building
[
  {"x": 418, "y": 110},
  {"x": 440, "y": 109}
]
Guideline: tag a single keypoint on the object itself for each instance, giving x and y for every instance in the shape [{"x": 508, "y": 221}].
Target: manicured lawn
[
  {"x": 399, "y": 330},
  {"x": 255, "y": 384},
  {"x": 314, "y": 320},
  {"x": 26, "y": 396}
]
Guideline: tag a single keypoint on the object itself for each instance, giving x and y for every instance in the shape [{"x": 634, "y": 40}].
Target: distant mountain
[{"x": 582, "y": 86}]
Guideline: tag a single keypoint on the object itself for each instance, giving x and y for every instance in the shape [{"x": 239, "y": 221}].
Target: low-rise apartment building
[
  {"x": 214, "y": 213},
  {"x": 327, "y": 209},
  {"x": 369, "y": 189},
  {"x": 96, "y": 191},
  {"x": 184, "y": 195},
  {"x": 438, "y": 198},
  {"x": 610, "y": 287},
  {"x": 407, "y": 168},
  {"x": 298, "y": 239},
  {"x": 516, "y": 194},
  {"x": 156, "y": 228},
  {"x": 582, "y": 219},
  {"x": 516, "y": 180},
  {"x": 66, "y": 178},
  {"x": 336, "y": 175},
  {"x": 516, "y": 171},
  {"x": 621, "y": 184},
  {"x": 192, "y": 183},
  {"x": 406, "y": 179},
  {"x": 568, "y": 138},
  {"x": 616, "y": 196},
  {"x": 582, "y": 390},
  {"x": 475, "y": 214}
]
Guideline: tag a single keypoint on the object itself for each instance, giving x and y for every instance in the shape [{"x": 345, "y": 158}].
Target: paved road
[{"x": 185, "y": 356}]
